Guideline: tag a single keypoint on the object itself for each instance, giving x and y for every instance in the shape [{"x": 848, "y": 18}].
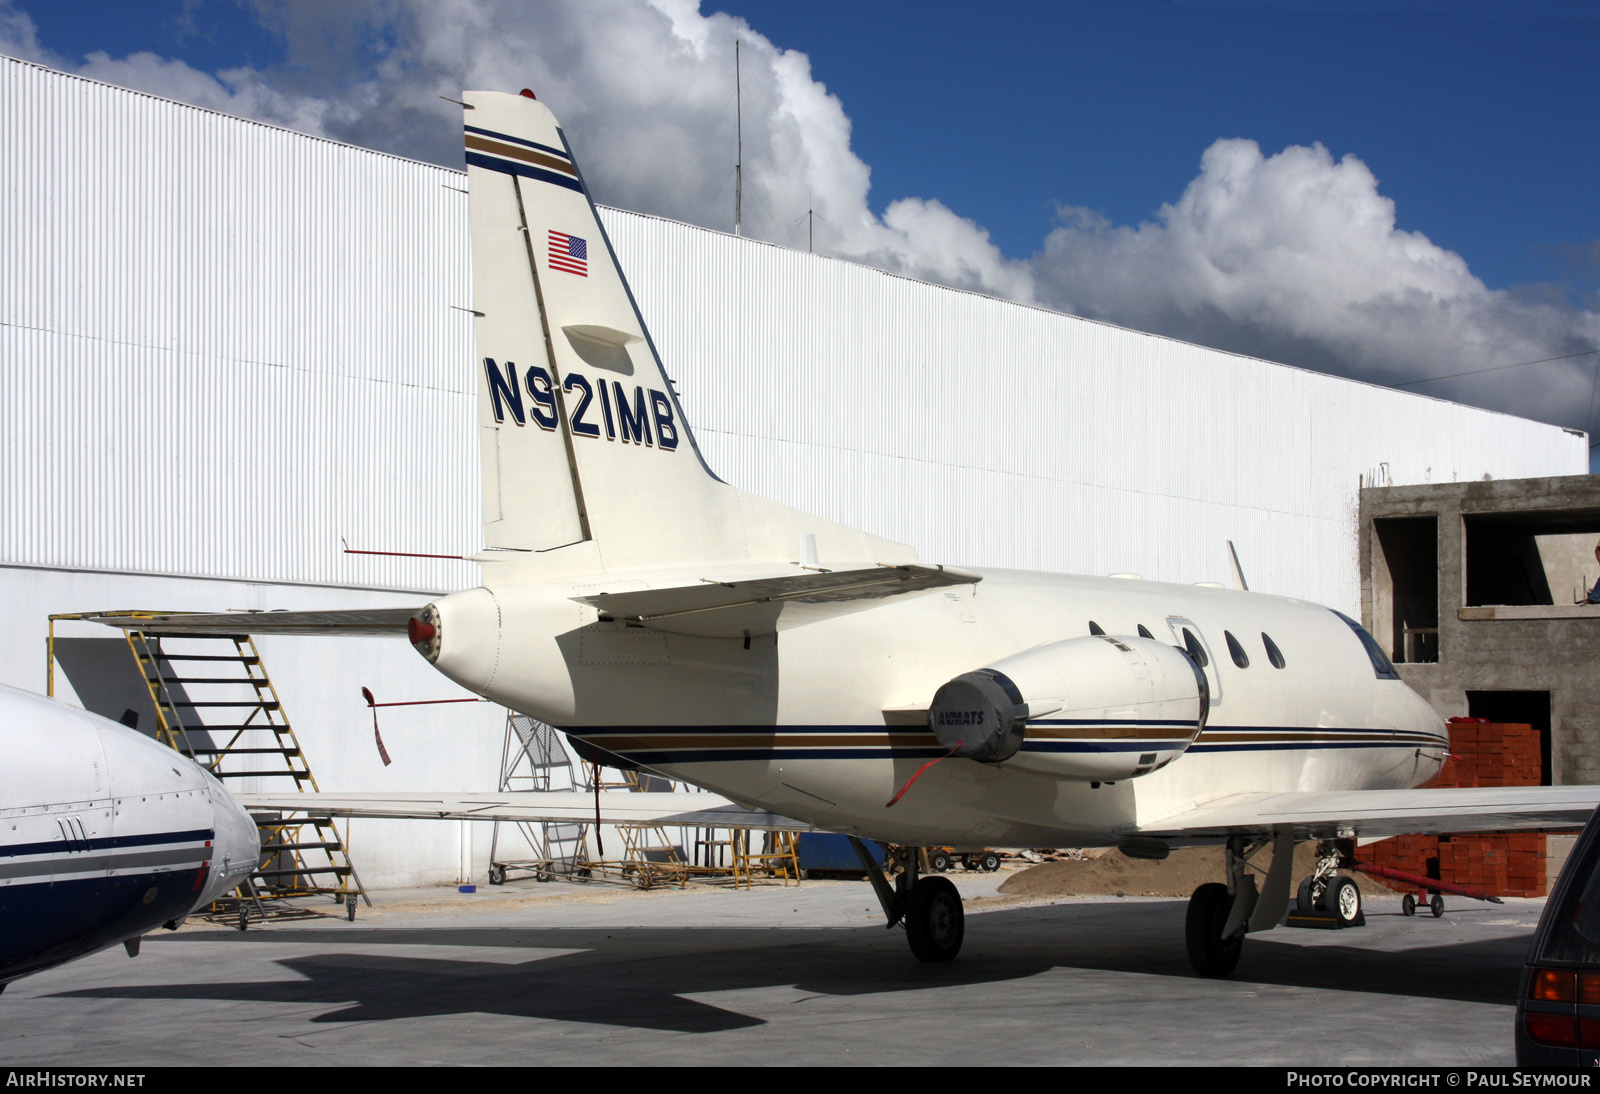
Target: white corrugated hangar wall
[{"x": 226, "y": 349}]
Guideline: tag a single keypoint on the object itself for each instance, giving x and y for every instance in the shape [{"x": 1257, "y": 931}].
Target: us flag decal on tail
[{"x": 569, "y": 253}]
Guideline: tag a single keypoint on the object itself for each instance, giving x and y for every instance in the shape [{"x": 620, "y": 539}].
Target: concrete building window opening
[
  {"x": 1531, "y": 558},
  {"x": 1406, "y": 588}
]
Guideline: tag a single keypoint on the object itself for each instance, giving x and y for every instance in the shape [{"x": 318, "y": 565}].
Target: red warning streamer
[
  {"x": 366, "y": 693},
  {"x": 918, "y": 775}
]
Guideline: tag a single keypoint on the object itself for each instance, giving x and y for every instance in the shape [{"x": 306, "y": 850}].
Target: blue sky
[
  {"x": 1073, "y": 155},
  {"x": 1485, "y": 131}
]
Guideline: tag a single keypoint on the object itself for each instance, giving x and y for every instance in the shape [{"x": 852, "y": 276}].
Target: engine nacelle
[{"x": 1100, "y": 708}]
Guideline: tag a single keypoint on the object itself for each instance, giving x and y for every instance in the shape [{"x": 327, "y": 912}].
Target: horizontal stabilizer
[
  {"x": 1376, "y": 814},
  {"x": 358, "y": 621},
  {"x": 729, "y": 609},
  {"x": 550, "y": 806}
]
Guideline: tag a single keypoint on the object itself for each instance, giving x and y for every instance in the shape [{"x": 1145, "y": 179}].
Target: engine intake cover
[
  {"x": 981, "y": 715},
  {"x": 1105, "y": 707}
]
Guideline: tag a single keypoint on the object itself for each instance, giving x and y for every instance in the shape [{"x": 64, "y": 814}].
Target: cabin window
[
  {"x": 1236, "y": 651},
  {"x": 1375, "y": 654},
  {"x": 1196, "y": 650},
  {"x": 1144, "y": 632},
  {"x": 1094, "y": 628},
  {"x": 1274, "y": 654}
]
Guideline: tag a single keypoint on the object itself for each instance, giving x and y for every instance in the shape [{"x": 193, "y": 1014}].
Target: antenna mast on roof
[{"x": 738, "y": 166}]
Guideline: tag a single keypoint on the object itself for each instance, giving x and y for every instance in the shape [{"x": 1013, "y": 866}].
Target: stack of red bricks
[{"x": 1482, "y": 754}]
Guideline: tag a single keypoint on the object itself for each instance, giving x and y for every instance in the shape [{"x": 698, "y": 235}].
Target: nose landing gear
[{"x": 1326, "y": 899}]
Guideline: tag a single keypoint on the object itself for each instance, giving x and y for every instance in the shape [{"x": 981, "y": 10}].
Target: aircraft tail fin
[{"x": 588, "y": 459}]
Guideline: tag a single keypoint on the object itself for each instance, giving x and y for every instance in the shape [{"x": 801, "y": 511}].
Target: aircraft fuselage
[{"x": 826, "y": 721}]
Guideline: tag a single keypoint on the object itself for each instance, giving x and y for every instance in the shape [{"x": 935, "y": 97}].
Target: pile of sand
[{"x": 1114, "y": 874}]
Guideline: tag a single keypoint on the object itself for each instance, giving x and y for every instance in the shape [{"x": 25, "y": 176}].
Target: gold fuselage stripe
[{"x": 513, "y": 152}]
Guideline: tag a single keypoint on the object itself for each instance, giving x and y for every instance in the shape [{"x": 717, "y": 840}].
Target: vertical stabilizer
[{"x": 587, "y": 456}]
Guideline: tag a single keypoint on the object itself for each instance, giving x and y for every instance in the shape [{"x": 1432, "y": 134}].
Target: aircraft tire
[
  {"x": 1343, "y": 899},
  {"x": 1210, "y": 953},
  {"x": 935, "y": 924}
]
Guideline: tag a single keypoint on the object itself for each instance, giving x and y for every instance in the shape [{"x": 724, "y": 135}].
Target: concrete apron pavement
[{"x": 565, "y": 974}]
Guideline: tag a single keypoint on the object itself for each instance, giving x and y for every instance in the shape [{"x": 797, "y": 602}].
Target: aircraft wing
[
  {"x": 354, "y": 621},
  {"x": 555, "y": 806},
  {"x": 1375, "y": 814},
  {"x": 729, "y": 609}
]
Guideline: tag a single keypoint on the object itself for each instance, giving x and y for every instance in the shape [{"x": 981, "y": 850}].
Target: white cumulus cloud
[{"x": 1296, "y": 257}]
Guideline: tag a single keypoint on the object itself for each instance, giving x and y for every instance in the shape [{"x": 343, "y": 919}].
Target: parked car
[{"x": 1558, "y": 1006}]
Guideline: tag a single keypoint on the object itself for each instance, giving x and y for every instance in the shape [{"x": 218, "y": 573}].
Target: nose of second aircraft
[{"x": 236, "y": 848}]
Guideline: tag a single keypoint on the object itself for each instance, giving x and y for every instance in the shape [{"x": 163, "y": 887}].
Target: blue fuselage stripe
[
  {"x": 1181, "y": 722},
  {"x": 107, "y": 843},
  {"x": 699, "y": 744},
  {"x": 513, "y": 167}
]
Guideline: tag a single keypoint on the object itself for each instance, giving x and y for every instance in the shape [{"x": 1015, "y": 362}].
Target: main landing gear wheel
[
  {"x": 1209, "y": 952},
  {"x": 1408, "y": 905},
  {"x": 1344, "y": 901},
  {"x": 935, "y": 924}
]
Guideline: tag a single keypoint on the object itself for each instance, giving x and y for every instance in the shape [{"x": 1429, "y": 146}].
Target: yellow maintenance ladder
[{"x": 215, "y": 703}]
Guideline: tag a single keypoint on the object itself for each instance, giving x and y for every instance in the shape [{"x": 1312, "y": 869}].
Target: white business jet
[
  {"x": 105, "y": 835},
  {"x": 667, "y": 620}
]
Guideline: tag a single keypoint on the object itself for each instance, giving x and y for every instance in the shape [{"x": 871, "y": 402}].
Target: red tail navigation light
[{"x": 423, "y": 630}]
